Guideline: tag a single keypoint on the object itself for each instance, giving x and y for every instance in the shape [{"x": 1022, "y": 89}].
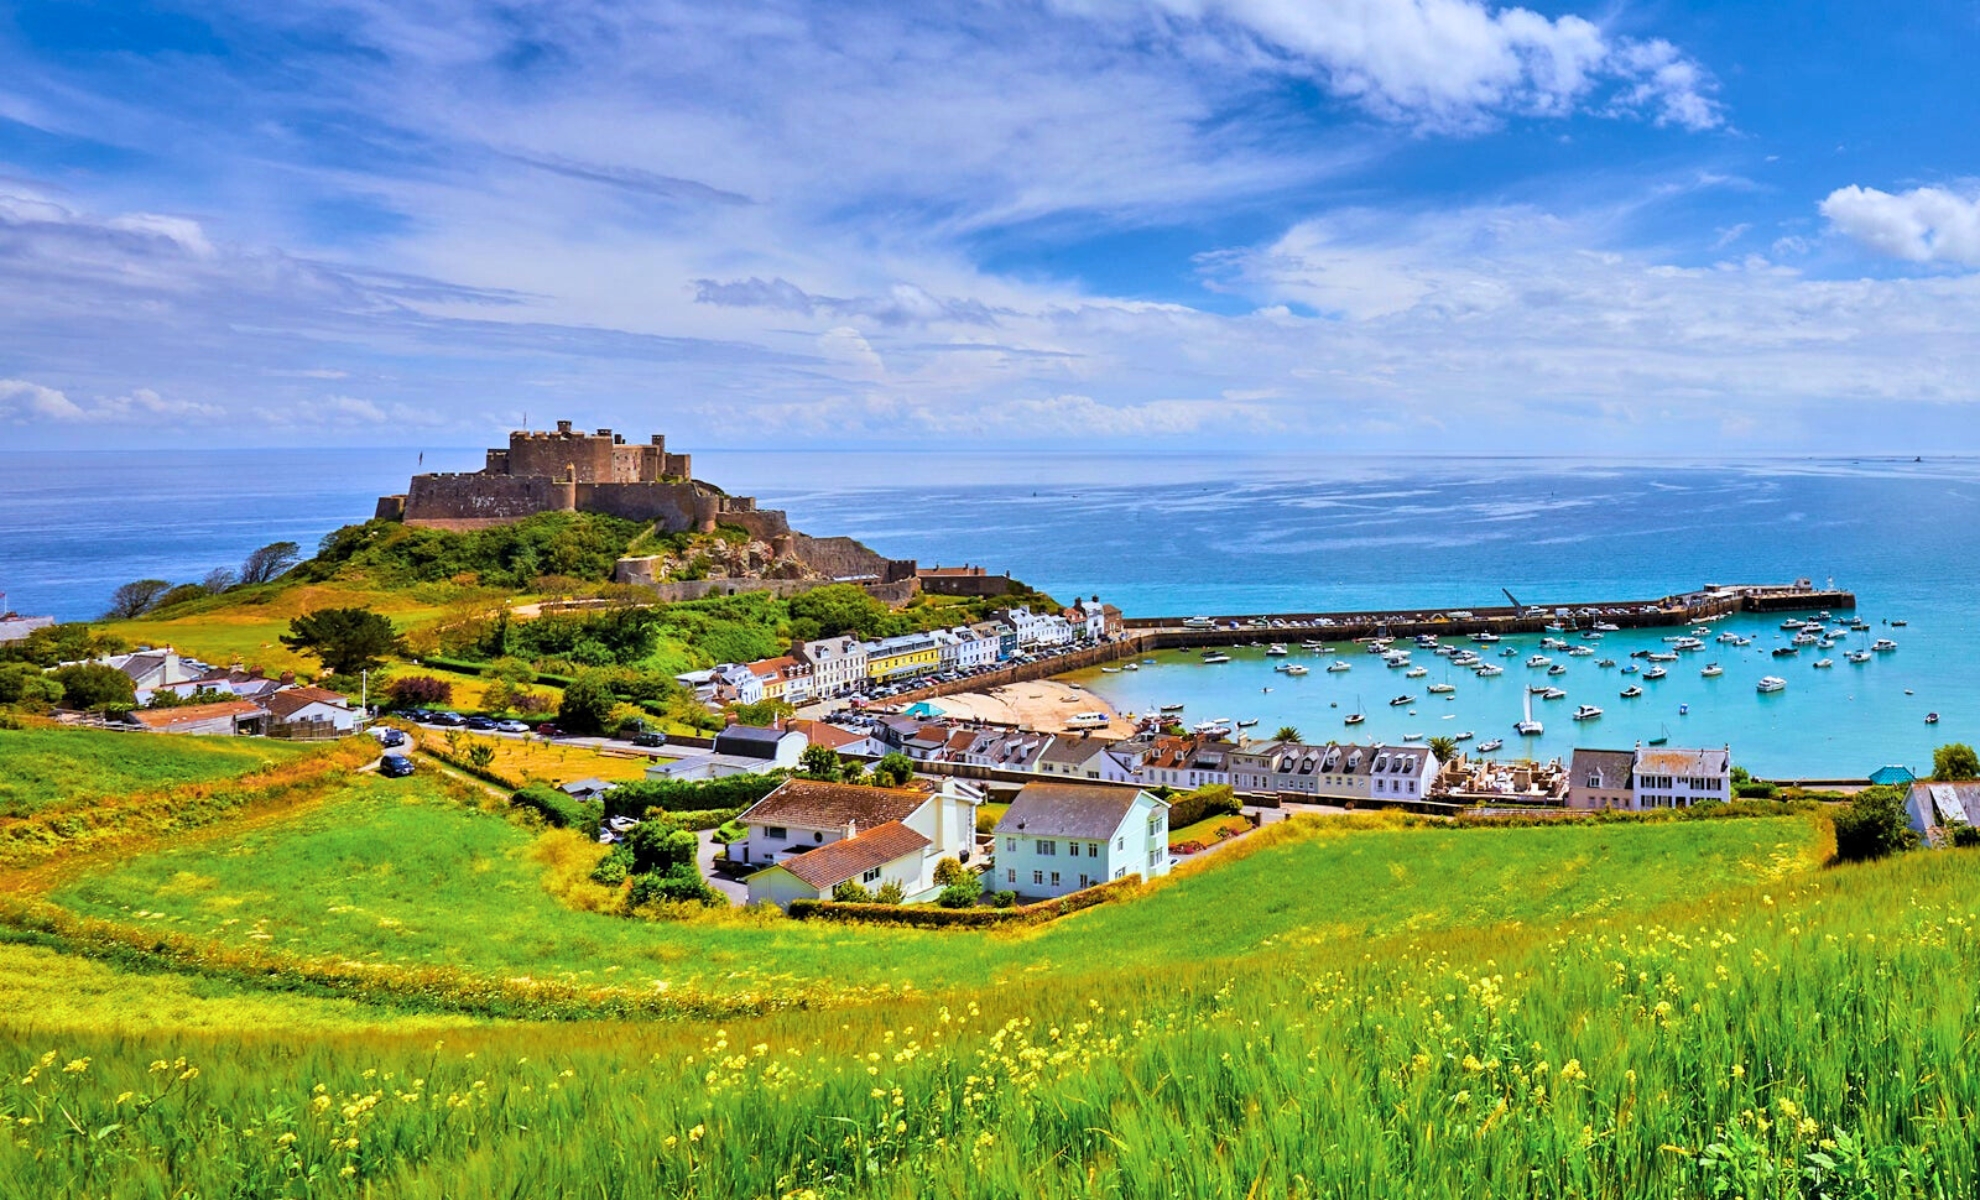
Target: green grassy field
[
  {"x": 1345, "y": 1008},
  {"x": 42, "y": 769}
]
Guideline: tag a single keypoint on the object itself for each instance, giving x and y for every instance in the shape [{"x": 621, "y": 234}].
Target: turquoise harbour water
[{"x": 1212, "y": 533}]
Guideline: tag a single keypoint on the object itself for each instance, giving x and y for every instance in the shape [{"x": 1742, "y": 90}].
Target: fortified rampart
[
  {"x": 567, "y": 470},
  {"x": 844, "y": 558}
]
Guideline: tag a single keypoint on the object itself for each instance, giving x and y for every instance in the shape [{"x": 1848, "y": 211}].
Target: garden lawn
[
  {"x": 48, "y": 768},
  {"x": 548, "y": 762},
  {"x": 1205, "y": 831}
]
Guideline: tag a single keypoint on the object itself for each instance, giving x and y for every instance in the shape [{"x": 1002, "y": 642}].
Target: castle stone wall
[
  {"x": 842, "y": 557},
  {"x": 552, "y": 454},
  {"x": 476, "y": 501},
  {"x": 671, "y": 505}
]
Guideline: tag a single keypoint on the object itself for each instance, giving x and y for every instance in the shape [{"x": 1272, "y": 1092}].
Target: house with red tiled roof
[
  {"x": 224, "y": 718},
  {"x": 810, "y": 836},
  {"x": 312, "y": 710}
]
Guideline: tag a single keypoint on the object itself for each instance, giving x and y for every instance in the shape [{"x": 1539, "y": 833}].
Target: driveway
[{"x": 710, "y": 851}]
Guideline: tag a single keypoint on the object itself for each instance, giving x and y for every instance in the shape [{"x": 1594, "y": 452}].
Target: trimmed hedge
[
  {"x": 678, "y": 797},
  {"x": 929, "y": 916},
  {"x": 1212, "y": 800},
  {"x": 701, "y": 818}
]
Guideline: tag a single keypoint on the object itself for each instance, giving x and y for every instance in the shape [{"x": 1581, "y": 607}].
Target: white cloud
[
  {"x": 1927, "y": 224},
  {"x": 24, "y": 403},
  {"x": 32, "y": 403}
]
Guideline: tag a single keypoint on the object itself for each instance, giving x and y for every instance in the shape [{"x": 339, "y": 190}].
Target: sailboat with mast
[
  {"x": 1529, "y": 727},
  {"x": 1357, "y": 716}
]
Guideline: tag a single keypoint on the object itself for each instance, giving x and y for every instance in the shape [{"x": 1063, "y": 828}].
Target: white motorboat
[
  {"x": 1466, "y": 736},
  {"x": 1172, "y": 708},
  {"x": 1858, "y": 656},
  {"x": 1487, "y": 670},
  {"x": 1416, "y": 672},
  {"x": 1401, "y": 700},
  {"x": 1662, "y": 656},
  {"x": 1606, "y": 627},
  {"x": 1110, "y": 670},
  {"x": 1539, "y": 660},
  {"x": 1412, "y": 737},
  {"x": 1771, "y": 683},
  {"x": 1582, "y": 652},
  {"x": 1132, "y": 667},
  {"x": 1631, "y": 669},
  {"x": 1296, "y": 669},
  {"x": 1212, "y": 657},
  {"x": 1606, "y": 663},
  {"x": 1488, "y": 747},
  {"x": 1655, "y": 673},
  {"x": 1485, "y": 639},
  {"x": 1248, "y": 723},
  {"x": 1528, "y": 727},
  {"x": 1340, "y": 664},
  {"x": 1442, "y": 689},
  {"x": 1883, "y": 645},
  {"x": 1631, "y": 692},
  {"x": 1712, "y": 671},
  {"x": 1824, "y": 663},
  {"x": 1727, "y": 638},
  {"x": 1557, "y": 669},
  {"x": 1553, "y": 694},
  {"x": 1587, "y": 712},
  {"x": 1275, "y": 650}
]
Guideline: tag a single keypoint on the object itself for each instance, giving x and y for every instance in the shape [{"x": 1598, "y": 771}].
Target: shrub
[
  {"x": 890, "y": 892},
  {"x": 1966, "y": 836},
  {"x": 94, "y": 686},
  {"x": 24, "y": 684},
  {"x": 963, "y": 893},
  {"x": 1004, "y": 899},
  {"x": 1873, "y": 825},
  {"x": 852, "y": 891},
  {"x": 613, "y": 869},
  {"x": 1212, "y": 800},
  {"x": 1955, "y": 760},
  {"x": 949, "y": 871},
  {"x": 558, "y": 809},
  {"x": 660, "y": 845},
  {"x": 733, "y": 793},
  {"x": 893, "y": 771},
  {"x": 1756, "y": 789},
  {"x": 678, "y": 884},
  {"x": 419, "y": 691}
]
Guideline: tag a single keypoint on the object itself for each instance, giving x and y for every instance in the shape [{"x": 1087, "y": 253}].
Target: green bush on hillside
[
  {"x": 1873, "y": 825},
  {"x": 559, "y": 809},
  {"x": 731, "y": 794}
]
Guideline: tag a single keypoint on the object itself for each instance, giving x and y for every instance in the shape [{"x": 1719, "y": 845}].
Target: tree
[
  {"x": 1873, "y": 825},
  {"x": 1286, "y": 733},
  {"x": 890, "y": 892},
  {"x": 949, "y": 871},
  {"x": 851, "y": 891},
  {"x": 1444, "y": 748},
  {"x": 481, "y": 756},
  {"x": 893, "y": 771},
  {"x": 588, "y": 703},
  {"x": 94, "y": 686},
  {"x": 135, "y": 599},
  {"x": 218, "y": 580},
  {"x": 345, "y": 640},
  {"x": 762, "y": 714},
  {"x": 1955, "y": 761},
  {"x": 269, "y": 563},
  {"x": 419, "y": 691},
  {"x": 498, "y": 697},
  {"x": 820, "y": 762},
  {"x": 25, "y": 685}
]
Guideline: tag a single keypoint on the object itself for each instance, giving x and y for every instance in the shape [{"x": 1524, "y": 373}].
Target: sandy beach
[{"x": 1042, "y": 704}]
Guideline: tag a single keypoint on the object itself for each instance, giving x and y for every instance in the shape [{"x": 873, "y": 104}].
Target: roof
[
  {"x": 1611, "y": 769},
  {"x": 921, "y": 708},
  {"x": 289, "y": 701},
  {"x": 1892, "y": 774},
  {"x": 764, "y": 668},
  {"x": 1074, "y": 810},
  {"x": 836, "y": 862},
  {"x": 1944, "y": 804},
  {"x": 750, "y": 741},
  {"x": 593, "y": 784},
  {"x": 189, "y": 714},
  {"x": 822, "y": 733},
  {"x": 1071, "y": 751},
  {"x": 820, "y": 805},
  {"x": 1682, "y": 762}
]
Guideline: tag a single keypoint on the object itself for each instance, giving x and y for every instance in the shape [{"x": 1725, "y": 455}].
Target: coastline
[{"x": 1041, "y": 704}]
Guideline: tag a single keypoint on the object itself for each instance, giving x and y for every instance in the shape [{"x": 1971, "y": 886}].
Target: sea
[{"x": 1188, "y": 534}]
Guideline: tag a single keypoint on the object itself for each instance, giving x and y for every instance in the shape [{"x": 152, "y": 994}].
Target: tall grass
[
  {"x": 43, "y": 768},
  {"x": 1802, "y": 1037}
]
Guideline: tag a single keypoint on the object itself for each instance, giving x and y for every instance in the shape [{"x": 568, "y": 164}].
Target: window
[
  {"x": 1120, "y": 843},
  {"x": 775, "y": 831},
  {"x": 1038, "y": 877},
  {"x": 1119, "y": 871},
  {"x": 1010, "y": 875},
  {"x": 1154, "y": 857},
  {"x": 1011, "y": 845},
  {"x": 1093, "y": 849},
  {"x": 817, "y": 837},
  {"x": 870, "y": 876},
  {"x": 1085, "y": 881},
  {"x": 1047, "y": 848},
  {"x": 1055, "y": 879}
]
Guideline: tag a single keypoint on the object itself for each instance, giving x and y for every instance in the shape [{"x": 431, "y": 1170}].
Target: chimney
[
  {"x": 288, "y": 677},
  {"x": 852, "y": 829}
]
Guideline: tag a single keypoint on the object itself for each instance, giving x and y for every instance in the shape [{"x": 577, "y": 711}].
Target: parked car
[
  {"x": 395, "y": 766},
  {"x": 548, "y": 729},
  {"x": 391, "y": 737},
  {"x": 452, "y": 720},
  {"x": 512, "y": 726},
  {"x": 649, "y": 739},
  {"x": 481, "y": 724}
]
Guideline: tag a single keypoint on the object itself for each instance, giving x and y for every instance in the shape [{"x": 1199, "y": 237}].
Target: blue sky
[{"x": 1343, "y": 225}]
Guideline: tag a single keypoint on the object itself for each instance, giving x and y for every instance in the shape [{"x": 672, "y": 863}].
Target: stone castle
[{"x": 572, "y": 471}]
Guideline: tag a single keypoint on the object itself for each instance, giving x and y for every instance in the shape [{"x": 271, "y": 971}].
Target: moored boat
[
  {"x": 1631, "y": 692},
  {"x": 1488, "y": 747},
  {"x": 1771, "y": 683},
  {"x": 1587, "y": 712}
]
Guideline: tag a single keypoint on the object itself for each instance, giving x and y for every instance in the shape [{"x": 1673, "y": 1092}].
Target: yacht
[
  {"x": 1466, "y": 736},
  {"x": 1357, "y": 716},
  {"x": 1631, "y": 669},
  {"x": 1688, "y": 643},
  {"x": 1442, "y": 689},
  {"x": 1215, "y": 656},
  {"x": 1587, "y": 712},
  {"x": 1488, "y": 747},
  {"x": 1412, "y": 737},
  {"x": 1712, "y": 671},
  {"x": 1786, "y": 651},
  {"x": 1590, "y": 635},
  {"x": 1897, "y": 624},
  {"x": 1110, "y": 670},
  {"x": 1553, "y": 694},
  {"x": 1742, "y": 641},
  {"x": 1557, "y": 669},
  {"x": 1509, "y": 652},
  {"x": 1552, "y": 643},
  {"x": 1485, "y": 639},
  {"x": 1310, "y": 644},
  {"x": 1529, "y": 727},
  {"x": 1727, "y": 638},
  {"x": 1416, "y": 672},
  {"x": 1791, "y": 623},
  {"x": 1931, "y": 718},
  {"x": 1295, "y": 669},
  {"x": 1378, "y": 645},
  {"x": 1631, "y": 692},
  {"x": 1772, "y": 683},
  {"x": 1487, "y": 670},
  {"x": 1247, "y": 723},
  {"x": 1339, "y": 664},
  {"x": 1663, "y": 657},
  {"x": 1606, "y": 663},
  {"x": 1132, "y": 667},
  {"x": 1803, "y": 639},
  {"x": 1401, "y": 700},
  {"x": 1858, "y": 656},
  {"x": 1582, "y": 652},
  {"x": 1172, "y": 708},
  {"x": 1655, "y": 673},
  {"x": 1539, "y": 660},
  {"x": 1822, "y": 663},
  {"x": 1884, "y": 645},
  {"x": 1275, "y": 650}
]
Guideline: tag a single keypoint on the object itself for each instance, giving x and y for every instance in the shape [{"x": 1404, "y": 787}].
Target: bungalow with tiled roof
[
  {"x": 310, "y": 711},
  {"x": 811, "y": 836}
]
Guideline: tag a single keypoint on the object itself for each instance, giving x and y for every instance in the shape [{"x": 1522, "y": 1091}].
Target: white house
[
  {"x": 739, "y": 750},
  {"x": 150, "y": 670},
  {"x": 976, "y": 645},
  {"x": 1074, "y": 757},
  {"x": 1088, "y": 619},
  {"x": 1061, "y": 837},
  {"x": 309, "y": 709},
  {"x": 1030, "y": 626},
  {"x": 735, "y": 681},
  {"x": 811, "y": 836},
  {"x": 1667, "y": 778},
  {"x": 1184, "y": 762}
]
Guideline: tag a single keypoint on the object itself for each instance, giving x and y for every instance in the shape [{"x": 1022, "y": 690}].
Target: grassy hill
[
  {"x": 45, "y": 768},
  {"x": 1352, "y": 1008}
]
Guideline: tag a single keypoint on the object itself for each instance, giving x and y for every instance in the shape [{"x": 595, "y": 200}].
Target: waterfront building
[
  {"x": 1334, "y": 773},
  {"x": 900, "y": 657},
  {"x": 1075, "y": 757},
  {"x": 1058, "y": 838},
  {"x": 1601, "y": 779},
  {"x": 1648, "y": 777},
  {"x": 838, "y": 664},
  {"x": 1185, "y": 762}
]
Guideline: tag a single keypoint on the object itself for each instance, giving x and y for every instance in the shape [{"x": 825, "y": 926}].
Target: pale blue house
[{"x": 1058, "y": 838}]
